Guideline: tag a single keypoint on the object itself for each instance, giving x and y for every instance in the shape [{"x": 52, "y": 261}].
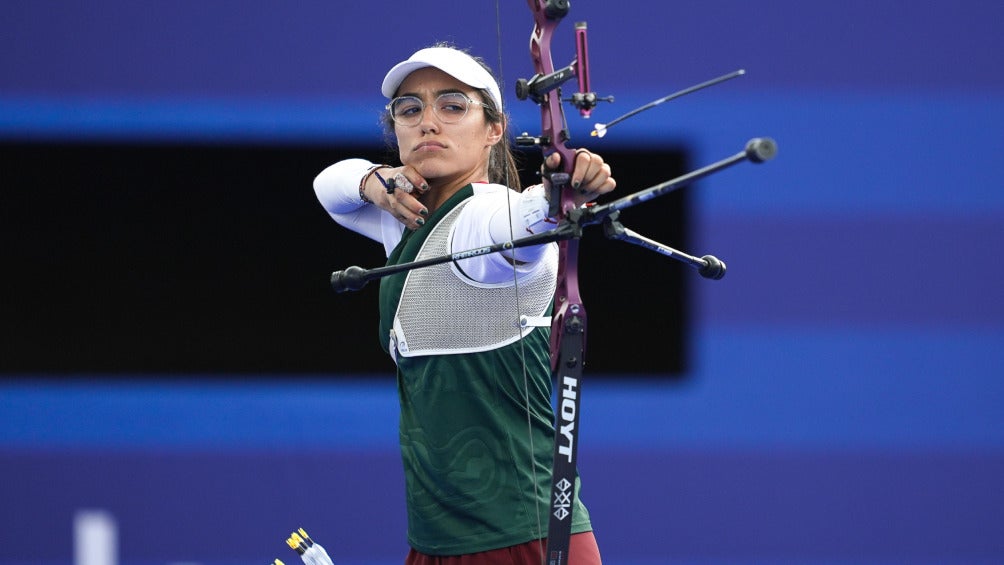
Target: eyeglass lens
[{"x": 450, "y": 107}]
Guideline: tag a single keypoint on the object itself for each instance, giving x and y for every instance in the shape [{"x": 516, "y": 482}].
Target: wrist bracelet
[{"x": 366, "y": 177}]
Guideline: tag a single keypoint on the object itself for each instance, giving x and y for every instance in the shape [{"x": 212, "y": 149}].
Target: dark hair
[{"x": 502, "y": 167}]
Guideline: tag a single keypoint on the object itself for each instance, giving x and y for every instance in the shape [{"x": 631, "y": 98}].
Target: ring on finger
[{"x": 403, "y": 183}]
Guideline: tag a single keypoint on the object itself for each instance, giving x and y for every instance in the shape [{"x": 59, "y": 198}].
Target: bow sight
[{"x": 538, "y": 85}]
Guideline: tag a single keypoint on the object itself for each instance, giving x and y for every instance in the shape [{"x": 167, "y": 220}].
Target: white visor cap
[{"x": 453, "y": 62}]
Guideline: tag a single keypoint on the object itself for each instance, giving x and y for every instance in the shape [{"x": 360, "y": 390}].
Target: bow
[{"x": 568, "y": 322}]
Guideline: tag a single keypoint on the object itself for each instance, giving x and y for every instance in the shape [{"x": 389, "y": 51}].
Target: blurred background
[{"x": 179, "y": 385}]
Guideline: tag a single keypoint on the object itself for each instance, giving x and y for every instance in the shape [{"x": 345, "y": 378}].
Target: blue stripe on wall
[
  {"x": 755, "y": 387},
  {"x": 857, "y": 153}
]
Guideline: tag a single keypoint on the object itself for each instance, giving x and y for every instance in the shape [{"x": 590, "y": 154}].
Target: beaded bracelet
[{"x": 366, "y": 177}]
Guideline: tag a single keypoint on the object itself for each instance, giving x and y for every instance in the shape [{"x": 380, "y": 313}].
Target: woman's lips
[{"x": 429, "y": 146}]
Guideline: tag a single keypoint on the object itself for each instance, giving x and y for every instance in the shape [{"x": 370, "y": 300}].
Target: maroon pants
[{"x": 582, "y": 550}]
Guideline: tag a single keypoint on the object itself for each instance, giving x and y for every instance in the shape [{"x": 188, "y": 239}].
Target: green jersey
[{"x": 476, "y": 427}]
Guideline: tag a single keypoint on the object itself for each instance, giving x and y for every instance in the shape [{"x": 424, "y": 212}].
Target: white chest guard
[{"x": 442, "y": 311}]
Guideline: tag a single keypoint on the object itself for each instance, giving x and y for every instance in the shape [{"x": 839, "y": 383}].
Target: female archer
[{"x": 476, "y": 422}]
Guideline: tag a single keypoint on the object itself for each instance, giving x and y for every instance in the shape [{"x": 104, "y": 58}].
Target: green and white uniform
[{"x": 477, "y": 436}]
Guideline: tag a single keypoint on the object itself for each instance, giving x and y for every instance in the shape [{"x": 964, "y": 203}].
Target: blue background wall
[{"x": 844, "y": 404}]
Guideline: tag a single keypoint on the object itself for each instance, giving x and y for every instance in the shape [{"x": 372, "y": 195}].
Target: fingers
[
  {"x": 403, "y": 187},
  {"x": 591, "y": 175},
  {"x": 401, "y": 182},
  {"x": 407, "y": 209},
  {"x": 405, "y": 182},
  {"x": 553, "y": 161},
  {"x": 411, "y": 181}
]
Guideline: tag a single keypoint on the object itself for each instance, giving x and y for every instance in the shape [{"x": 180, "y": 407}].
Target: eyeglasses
[{"x": 450, "y": 108}]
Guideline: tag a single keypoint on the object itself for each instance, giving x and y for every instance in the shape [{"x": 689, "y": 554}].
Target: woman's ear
[{"x": 496, "y": 131}]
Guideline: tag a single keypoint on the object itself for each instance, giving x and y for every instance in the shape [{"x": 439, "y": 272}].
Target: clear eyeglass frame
[{"x": 449, "y": 107}]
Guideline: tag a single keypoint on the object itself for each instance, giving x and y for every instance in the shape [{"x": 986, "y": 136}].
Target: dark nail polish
[
  {"x": 423, "y": 212},
  {"x": 420, "y": 221}
]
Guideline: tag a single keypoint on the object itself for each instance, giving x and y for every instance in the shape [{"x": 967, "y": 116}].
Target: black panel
[{"x": 194, "y": 259}]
